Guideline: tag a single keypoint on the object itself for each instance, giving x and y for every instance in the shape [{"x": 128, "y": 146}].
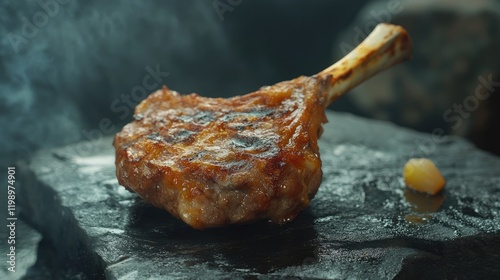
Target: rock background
[{"x": 456, "y": 47}]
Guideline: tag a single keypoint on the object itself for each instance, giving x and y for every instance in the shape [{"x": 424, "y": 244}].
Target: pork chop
[{"x": 215, "y": 161}]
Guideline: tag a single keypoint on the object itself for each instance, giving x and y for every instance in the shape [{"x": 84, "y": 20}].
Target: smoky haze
[
  {"x": 67, "y": 64},
  {"x": 65, "y": 78}
]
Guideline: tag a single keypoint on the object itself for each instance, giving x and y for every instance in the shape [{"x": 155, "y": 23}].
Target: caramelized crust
[{"x": 214, "y": 161}]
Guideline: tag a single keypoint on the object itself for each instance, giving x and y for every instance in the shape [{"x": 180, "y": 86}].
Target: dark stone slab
[{"x": 363, "y": 223}]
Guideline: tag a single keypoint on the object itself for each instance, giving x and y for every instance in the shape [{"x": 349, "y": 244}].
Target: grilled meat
[{"x": 214, "y": 161}]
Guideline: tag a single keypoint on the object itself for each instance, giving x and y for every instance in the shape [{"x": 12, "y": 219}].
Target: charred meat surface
[{"x": 214, "y": 161}]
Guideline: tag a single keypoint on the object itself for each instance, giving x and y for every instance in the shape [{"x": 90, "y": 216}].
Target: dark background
[{"x": 76, "y": 68}]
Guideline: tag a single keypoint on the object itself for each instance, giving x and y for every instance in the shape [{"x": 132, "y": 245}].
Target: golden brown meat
[
  {"x": 213, "y": 161},
  {"x": 217, "y": 161}
]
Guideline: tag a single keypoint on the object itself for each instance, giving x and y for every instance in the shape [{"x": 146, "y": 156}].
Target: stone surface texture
[{"x": 363, "y": 222}]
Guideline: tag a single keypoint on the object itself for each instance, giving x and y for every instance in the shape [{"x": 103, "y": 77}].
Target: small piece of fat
[{"x": 422, "y": 175}]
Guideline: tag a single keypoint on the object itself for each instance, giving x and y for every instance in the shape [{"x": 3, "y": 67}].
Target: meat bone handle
[{"x": 386, "y": 46}]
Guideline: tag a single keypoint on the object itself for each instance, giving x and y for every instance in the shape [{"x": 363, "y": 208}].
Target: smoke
[{"x": 63, "y": 62}]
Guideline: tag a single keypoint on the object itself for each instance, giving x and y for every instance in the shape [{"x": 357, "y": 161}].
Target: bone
[{"x": 386, "y": 46}]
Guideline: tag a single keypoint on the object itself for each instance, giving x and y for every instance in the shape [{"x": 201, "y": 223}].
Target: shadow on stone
[
  {"x": 460, "y": 257},
  {"x": 261, "y": 247}
]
